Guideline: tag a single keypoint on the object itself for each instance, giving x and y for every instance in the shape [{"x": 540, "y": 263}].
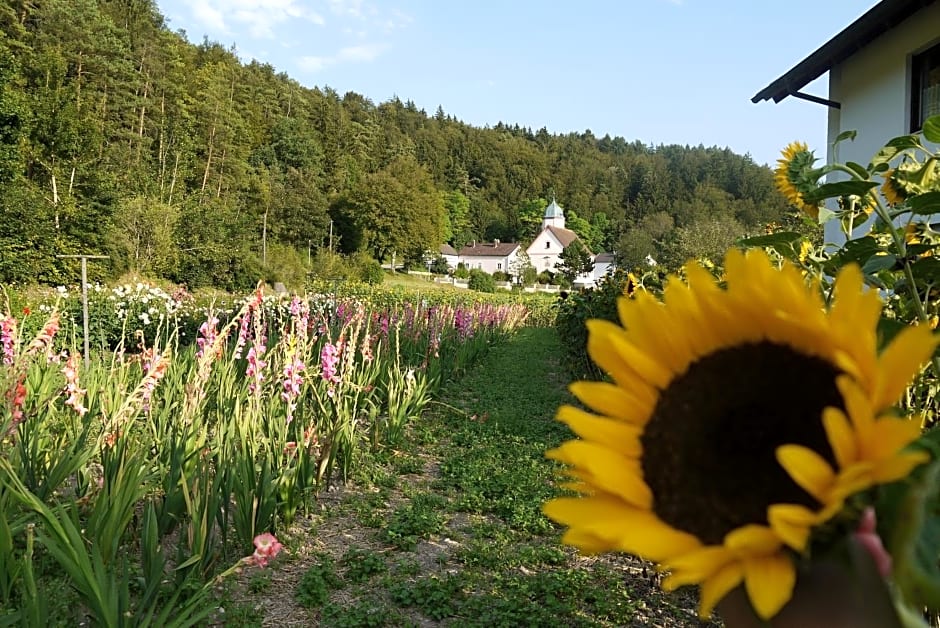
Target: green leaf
[
  {"x": 932, "y": 129},
  {"x": 927, "y": 203},
  {"x": 840, "y": 188},
  {"x": 893, "y": 148},
  {"x": 845, "y": 135},
  {"x": 926, "y": 269},
  {"x": 878, "y": 262},
  {"x": 857, "y": 168},
  {"x": 858, "y": 250},
  {"x": 773, "y": 239}
]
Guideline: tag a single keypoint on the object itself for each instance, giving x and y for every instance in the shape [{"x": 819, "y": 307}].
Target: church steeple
[{"x": 554, "y": 216}]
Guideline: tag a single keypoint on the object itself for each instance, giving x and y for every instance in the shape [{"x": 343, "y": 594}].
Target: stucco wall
[{"x": 873, "y": 87}]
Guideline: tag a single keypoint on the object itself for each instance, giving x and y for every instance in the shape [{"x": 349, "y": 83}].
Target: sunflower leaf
[
  {"x": 840, "y": 188},
  {"x": 927, "y": 203},
  {"x": 846, "y": 135},
  {"x": 893, "y": 148},
  {"x": 925, "y": 269},
  {"x": 857, "y": 168},
  {"x": 856, "y": 251},
  {"x": 877, "y": 263},
  {"x": 786, "y": 243},
  {"x": 932, "y": 129}
]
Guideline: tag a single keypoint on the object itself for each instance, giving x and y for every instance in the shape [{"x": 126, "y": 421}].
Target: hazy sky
[{"x": 658, "y": 71}]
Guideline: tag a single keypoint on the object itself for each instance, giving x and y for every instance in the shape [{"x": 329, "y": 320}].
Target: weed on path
[{"x": 448, "y": 531}]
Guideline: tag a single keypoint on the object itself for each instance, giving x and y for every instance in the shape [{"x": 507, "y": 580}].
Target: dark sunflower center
[{"x": 709, "y": 448}]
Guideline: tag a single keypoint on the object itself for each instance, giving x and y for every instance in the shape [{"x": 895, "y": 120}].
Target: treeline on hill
[{"x": 119, "y": 137}]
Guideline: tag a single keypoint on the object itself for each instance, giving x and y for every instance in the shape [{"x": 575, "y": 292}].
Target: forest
[{"x": 119, "y": 137}]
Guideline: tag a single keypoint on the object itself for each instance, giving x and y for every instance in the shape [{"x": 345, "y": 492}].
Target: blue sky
[{"x": 658, "y": 71}]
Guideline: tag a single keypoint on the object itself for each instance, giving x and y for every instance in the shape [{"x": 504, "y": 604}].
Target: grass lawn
[{"x": 448, "y": 530}]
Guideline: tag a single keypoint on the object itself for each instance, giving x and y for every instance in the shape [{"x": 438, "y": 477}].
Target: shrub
[
  {"x": 368, "y": 269},
  {"x": 481, "y": 281},
  {"x": 439, "y": 266},
  {"x": 461, "y": 272},
  {"x": 500, "y": 276}
]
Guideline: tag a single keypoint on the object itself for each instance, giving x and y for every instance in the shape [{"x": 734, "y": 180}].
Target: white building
[
  {"x": 545, "y": 251},
  {"x": 491, "y": 256},
  {"x": 884, "y": 79},
  {"x": 450, "y": 255}
]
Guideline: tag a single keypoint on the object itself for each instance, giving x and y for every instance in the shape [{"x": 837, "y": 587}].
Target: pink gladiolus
[
  {"x": 44, "y": 339},
  {"x": 7, "y": 337},
  {"x": 292, "y": 383},
  {"x": 207, "y": 335},
  {"x": 266, "y": 547},
  {"x": 255, "y": 370},
  {"x": 155, "y": 366},
  {"x": 75, "y": 394},
  {"x": 329, "y": 358},
  {"x": 242, "y": 334}
]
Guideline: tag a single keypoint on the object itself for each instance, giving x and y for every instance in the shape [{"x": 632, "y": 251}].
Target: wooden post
[{"x": 85, "y": 259}]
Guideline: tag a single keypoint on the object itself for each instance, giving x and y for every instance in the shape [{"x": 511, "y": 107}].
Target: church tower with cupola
[{"x": 554, "y": 216}]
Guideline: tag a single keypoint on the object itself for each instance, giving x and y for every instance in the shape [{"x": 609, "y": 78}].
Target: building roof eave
[{"x": 876, "y": 21}]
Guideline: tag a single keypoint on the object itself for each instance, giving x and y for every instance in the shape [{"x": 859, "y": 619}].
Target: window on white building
[
  {"x": 925, "y": 87},
  {"x": 499, "y": 266},
  {"x": 548, "y": 245}
]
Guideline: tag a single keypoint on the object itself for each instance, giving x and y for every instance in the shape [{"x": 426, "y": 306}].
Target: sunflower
[
  {"x": 795, "y": 177},
  {"x": 892, "y": 193},
  {"x": 737, "y": 419}
]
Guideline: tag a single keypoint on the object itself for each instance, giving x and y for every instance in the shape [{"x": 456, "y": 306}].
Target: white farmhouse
[
  {"x": 491, "y": 256},
  {"x": 450, "y": 255},
  {"x": 884, "y": 79}
]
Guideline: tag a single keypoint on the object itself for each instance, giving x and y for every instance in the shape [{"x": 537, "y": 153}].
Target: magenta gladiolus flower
[{"x": 329, "y": 358}]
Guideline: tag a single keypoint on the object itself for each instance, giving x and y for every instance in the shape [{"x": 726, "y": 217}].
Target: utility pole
[{"x": 84, "y": 259}]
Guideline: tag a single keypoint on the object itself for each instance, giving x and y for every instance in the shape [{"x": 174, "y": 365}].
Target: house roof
[
  {"x": 876, "y": 21},
  {"x": 564, "y": 236},
  {"x": 604, "y": 258},
  {"x": 447, "y": 249},
  {"x": 489, "y": 249}
]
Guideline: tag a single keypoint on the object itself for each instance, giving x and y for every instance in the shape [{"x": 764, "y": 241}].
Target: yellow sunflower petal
[
  {"x": 695, "y": 566},
  {"x": 645, "y": 365},
  {"x": 609, "y": 349},
  {"x": 752, "y": 539},
  {"x": 808, "y": 469},
  {"x": 858, "y": 407},
  {"x": 609, "y": 470},
  {"x": 613, "y": 401},
  {"x": 769, "y": 581},
  {"x": 900, "y": 361},
  {"x": 889, "y": 436},
  {"x": 627, "y": 529},
  {"x": 840, "y": 435},
  {"x": 792, "y": 523},
  {"x": 899, "y": 466},
  {"x": 617, "y": 435},
  {"x": 718, "y": 586}
]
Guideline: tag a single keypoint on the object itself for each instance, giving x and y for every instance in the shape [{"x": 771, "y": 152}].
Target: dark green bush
[
  {"x": 576, "y": 308},
  {"x": 482, "y": 281}
]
